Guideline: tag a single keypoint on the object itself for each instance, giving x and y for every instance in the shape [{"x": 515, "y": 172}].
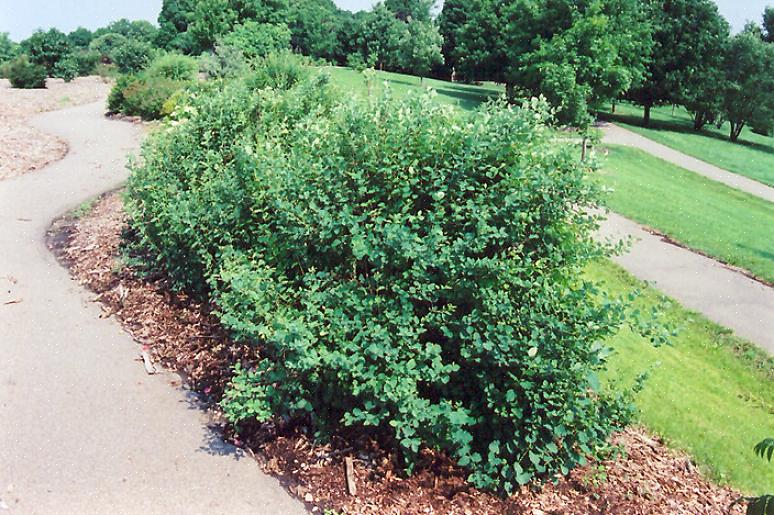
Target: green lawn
[
  {"x": 708, "y": 393},
  {"x": 728, "y": 224},
  {"x": 752, "y": 156},
  {"x": 464, "y": 96}
]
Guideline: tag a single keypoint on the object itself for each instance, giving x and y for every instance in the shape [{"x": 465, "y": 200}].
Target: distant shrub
[
  {"x": 86, "y": 61},
  {"x": 226, "y": 61},
  {"x": 132, "y": 56},
  {"x": 174, "y": 67},
  {"x": 143, "y": 95},
  {"x": 25, "y": 75},
  {"x": 66, "y": 68},
  {"x": 106, "y": 44},
  {"x": 282, "y": 70},
  {"x": 46, "y": 48},
  {"x": 403, "y": 268}
]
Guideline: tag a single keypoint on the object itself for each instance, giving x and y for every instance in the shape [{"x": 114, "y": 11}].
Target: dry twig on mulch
[
  {"x": 24, "y": 148},
  {"x": 648, "y": 478}
]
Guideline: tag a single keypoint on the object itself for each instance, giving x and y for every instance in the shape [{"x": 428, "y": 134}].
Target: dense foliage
[
  {"x": 577, "y": 53},
  {"x": 147, "y": 93},
  {"x": 749, "y": 84},
  {"x": 402, "y": 268},
  {"x": 23, "y": 74},
  {"x": 685, "y": 63},
  {"x": 46, "y": 48}
]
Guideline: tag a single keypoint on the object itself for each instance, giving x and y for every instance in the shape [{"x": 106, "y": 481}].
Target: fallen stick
[
  {"x": 146, "y": 361},
  {"x": 349, "y": 470}
]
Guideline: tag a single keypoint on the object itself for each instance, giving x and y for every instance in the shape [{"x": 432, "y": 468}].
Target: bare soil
[
  {"x": 646, "y": 478},
  {"x": 24, "y": 148}
]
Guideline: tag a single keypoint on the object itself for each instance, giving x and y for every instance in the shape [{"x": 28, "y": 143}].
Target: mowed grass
[
  {"x": 465, "y": 96},
  {"x": 733, "y": 226},
  {"x": 752, "y": 156},
  {"x": 708, "y": 392}
]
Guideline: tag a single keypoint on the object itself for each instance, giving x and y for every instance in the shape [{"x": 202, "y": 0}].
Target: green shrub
[
  {"x": 281, "y": 71},
  {"x": 46, "y": 48},
  {"x": 106, "y": 44},
  {"x": 66, "y": 68},
  {"x": 224, "y": 62},
  {"x": 143, "y": 96},
  {"x": 174, "y": 67},
  {"x": 402, "y": 267},
  {"x": 115, "y": 102},
  {"x": 132, "y": 55},
  {"x": 25, "y": 75},
  {"x": 86, "y": 62}
]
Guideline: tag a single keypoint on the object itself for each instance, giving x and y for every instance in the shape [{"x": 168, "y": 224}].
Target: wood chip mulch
[
  {"x": 24, "y": 148},
  {"x": 646, "y": 478}
]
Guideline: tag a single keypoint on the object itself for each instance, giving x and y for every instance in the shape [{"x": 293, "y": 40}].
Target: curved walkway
[
  {"x": 720, "y": 293},
  {"x": 617, "y": 135},
  {"x": 83, "y": 428}
]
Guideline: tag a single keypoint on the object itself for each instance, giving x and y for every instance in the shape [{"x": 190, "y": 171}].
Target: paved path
[
  {"x": 697, "y": 282},
  {"x": 83, "y": 429},
  {"x": 615, "y": 134}
]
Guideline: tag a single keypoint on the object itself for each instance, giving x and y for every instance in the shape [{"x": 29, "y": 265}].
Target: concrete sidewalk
[
  {"x": 617, "y": 135},
  {"x": 83, "y": 428},
  {"x": 721, "y": 294}
]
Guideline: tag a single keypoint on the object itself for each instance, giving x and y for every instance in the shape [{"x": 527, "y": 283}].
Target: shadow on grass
[{"x": 680, "y": 127}]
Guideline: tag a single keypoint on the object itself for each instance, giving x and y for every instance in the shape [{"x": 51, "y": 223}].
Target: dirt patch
[
  {"x": 647, "y": 478},
  {"x": 24, "y": 148}
]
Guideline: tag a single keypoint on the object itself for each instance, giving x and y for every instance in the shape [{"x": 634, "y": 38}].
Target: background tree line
[{"x": 579, "y": 54}]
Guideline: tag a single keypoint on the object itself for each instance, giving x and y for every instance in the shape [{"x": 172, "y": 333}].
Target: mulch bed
[
  {"x": 183, "y": 335},
  {"x": 24, "y": 148}
]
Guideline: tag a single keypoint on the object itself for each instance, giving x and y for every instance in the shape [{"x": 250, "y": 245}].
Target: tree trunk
[
  {"x": 612, "y": 107},
  {"x": 583, "y": 149},
  {"x": 699, "y": 120},
  {"x": 736, "y": 130},
  {"x": 674, "y": 106},
  {"x": 510, "y": 91},
  {"x": 646, "y": 116}
]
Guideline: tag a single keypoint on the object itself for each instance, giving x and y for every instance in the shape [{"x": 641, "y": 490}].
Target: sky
[{"x": 21, "y": 17}]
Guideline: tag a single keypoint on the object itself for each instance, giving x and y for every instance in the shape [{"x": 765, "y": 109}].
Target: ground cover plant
[
  {"x": 752, "y": 155},
  {"x": 681, "y": 204},
  {"x": 433, "y": 298}
]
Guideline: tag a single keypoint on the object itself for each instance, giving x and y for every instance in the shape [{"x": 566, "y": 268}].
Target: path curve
[
  {"x": 83, "y": 428},
  {"x": 720, "y": 293},
  {"x": 617, "y": 135}
]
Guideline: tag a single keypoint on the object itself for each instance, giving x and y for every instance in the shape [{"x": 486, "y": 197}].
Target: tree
[
  {"x": 314, "y": 25},
  {"x": 80, "y": 37},
  {"x": 106, "y": 44},
  {"x": 46, "y": 48},
  {"x": 211, "y": 18},
  {"x": 257, "y": 39},
  {"x": 577, "y": 53},
  {"x": 450, "y": 22},
  {"x": 404, "y": 10},
  {"x": 768, "y": 25},
  {"x": 138, "y": 29},
  {"x": 421, "y": 48},
  {"x": 381, "y": 36},
  {"x": 132, "y": 56},
  {"x": 749, "y": 89},
  {"x": 689, "y": 35},
  {"x": 8, "y": 48}
]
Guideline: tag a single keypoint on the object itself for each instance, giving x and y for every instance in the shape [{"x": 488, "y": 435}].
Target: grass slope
[
  {"x": 708, "y": 393},
  {"x": 731, "y": 225},
  {"x": 464, "y": 96},
  {"x": 752, "y": 156}
]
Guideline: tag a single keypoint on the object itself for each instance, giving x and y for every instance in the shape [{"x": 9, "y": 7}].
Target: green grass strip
[{"x": 730, "y": 225}]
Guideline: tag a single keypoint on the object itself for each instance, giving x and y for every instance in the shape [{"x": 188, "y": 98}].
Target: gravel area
[{"x": 24, "y": 148}]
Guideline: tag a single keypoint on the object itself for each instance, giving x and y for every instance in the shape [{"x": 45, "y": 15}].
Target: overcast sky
[{"x": 21, "y": 17}]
